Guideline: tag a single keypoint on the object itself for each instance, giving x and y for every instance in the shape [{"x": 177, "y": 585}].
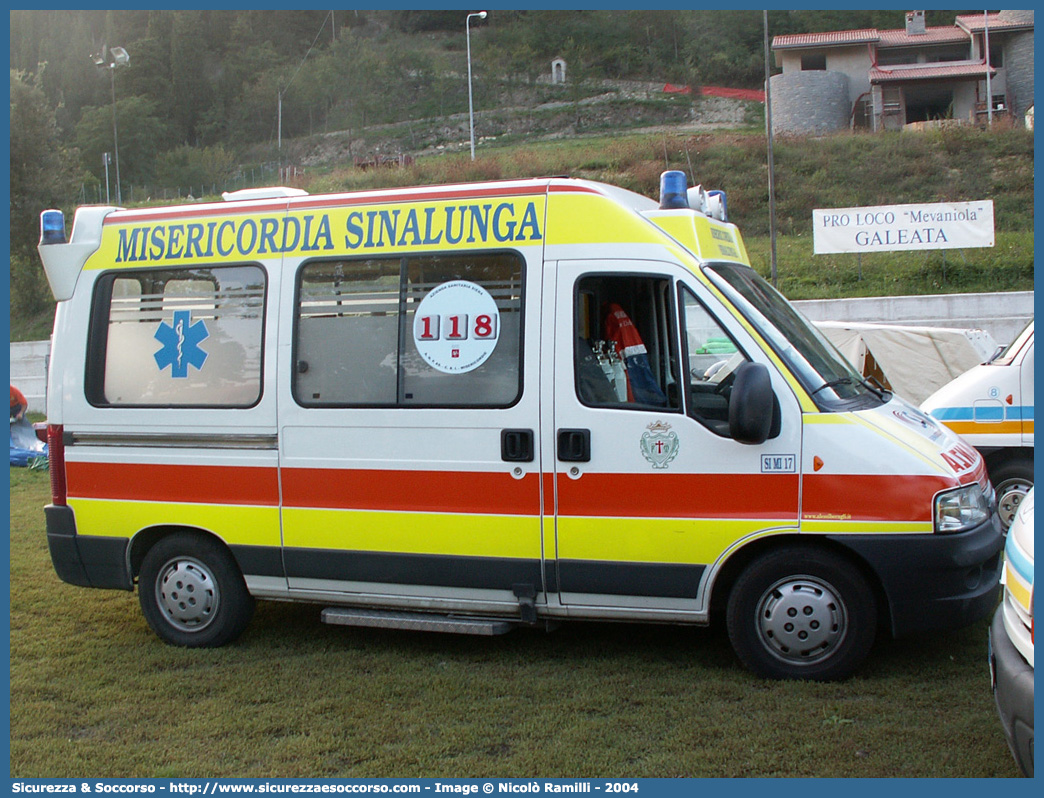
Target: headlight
[
  {"x": 990, "y": 495},
  {"x": 961, "y": 509}
]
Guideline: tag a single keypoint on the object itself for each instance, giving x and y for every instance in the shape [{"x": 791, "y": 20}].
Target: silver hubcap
[
  {"x": 801, "y": 620},
  {"x": 1010, "y": 494},
  {"x": 187, "y": 594}
]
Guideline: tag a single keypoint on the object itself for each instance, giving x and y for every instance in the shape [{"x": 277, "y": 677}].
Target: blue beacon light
[
  {"x": 52, "y": 227},
  {"x": 672, "y": 190}
]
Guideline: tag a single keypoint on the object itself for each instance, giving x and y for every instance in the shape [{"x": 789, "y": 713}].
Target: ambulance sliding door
[
  {"x": 174, "y": 424},
  {"x": 409, "y": 458},
  {"x": 651, "y": 490}
]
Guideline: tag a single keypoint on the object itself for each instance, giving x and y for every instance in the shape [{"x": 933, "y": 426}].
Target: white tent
[{"x": 912, "y": 361}]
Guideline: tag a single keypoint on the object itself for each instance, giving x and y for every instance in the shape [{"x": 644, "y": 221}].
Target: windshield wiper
[
  {"x": 870, "y": 383},
  {"x": 833, "y": 384},
  {"x": 875, "y": 387}
]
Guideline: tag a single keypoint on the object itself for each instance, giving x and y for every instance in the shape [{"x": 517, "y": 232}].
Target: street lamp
[
  {"x": 106, "y": 160},
  {"x": 110, "y": 58},
  {"x": 471, "y": 109}
]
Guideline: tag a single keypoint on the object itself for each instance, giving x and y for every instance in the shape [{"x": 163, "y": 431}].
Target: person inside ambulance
[{"x": 623, "y": 336}]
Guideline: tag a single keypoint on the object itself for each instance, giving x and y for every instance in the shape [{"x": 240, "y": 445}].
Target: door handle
[
  {"x": 574, "y": 445},
  {"x": 516, "y": 445}
]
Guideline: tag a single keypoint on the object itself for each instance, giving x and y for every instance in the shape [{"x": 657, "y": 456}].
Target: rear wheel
[
  {"x": 192, "y": 593},
  {"x": 1012, "y": 480},
  {"x": 801, "y": 613}
]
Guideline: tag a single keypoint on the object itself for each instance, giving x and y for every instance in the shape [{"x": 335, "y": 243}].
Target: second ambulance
[{"x": 991, "y": 407}]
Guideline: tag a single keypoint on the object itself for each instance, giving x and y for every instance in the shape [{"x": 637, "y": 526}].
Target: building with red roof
[{"x": 886, "y": 79}]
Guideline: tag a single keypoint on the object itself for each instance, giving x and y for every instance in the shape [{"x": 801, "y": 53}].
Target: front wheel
[
  {"x": 192, "y": 592},
  {"x": 1012, "y": 480},
  {"x": 801, "y": 613}
]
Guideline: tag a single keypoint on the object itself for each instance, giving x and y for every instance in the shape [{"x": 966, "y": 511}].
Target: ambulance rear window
[
  {"x": 177, "y": 338},
  {"x": 421, "y": 331}
]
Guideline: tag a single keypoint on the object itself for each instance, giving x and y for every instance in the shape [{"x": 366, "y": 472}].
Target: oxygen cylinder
[{"x": 619, "y": 374}]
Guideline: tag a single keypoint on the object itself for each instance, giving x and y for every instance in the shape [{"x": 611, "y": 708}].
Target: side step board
[{"x": 416, "y": 621}]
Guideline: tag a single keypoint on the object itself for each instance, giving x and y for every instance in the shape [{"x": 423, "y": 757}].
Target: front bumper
[
  {"x": 1012, "y": 680},
  {"x": 934, "y": 582}
]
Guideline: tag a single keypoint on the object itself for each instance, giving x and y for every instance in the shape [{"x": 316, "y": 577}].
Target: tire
[
  {"x": 192, "y": 592},
  {"x": 1012, "y": 480},
  {"x": 801, "y": 613}
]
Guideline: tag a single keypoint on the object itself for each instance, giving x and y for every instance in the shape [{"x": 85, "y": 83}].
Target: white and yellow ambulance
[
  {"x": 991, "y": 407},
  {"x": 476, "y": 406}
]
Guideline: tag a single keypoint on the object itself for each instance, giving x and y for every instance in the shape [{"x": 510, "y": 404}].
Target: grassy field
[
  {"x": 95, "y": 694},
  {"x": 1007, "y": 266},
  {"x": 838, "y": 171}
]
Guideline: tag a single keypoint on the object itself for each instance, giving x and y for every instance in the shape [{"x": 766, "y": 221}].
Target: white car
[{"x": 1011, "y": 639}]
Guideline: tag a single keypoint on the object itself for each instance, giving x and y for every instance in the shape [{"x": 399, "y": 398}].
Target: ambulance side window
[
  {"x": 422, "y": 331},
  {"x": 177, "y": 338},
  {"x": 624, "y": 342},
  {"x": 347, "y": 332},
  {"x": 472, "y": 358},
  {"x": 712, "y": 358}
]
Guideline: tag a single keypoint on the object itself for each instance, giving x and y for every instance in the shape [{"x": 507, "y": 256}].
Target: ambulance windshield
[
  {"x": 1006, "y": 356},
  {"x": 825, "y": 373}
]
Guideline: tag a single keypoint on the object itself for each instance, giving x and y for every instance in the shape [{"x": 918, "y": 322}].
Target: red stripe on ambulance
[
  {"x": 412, "y": 491},
  {"x": 768, "y": 496},
  {"x": 193, "y": 484},
  {"x": 868, "y": 497}
]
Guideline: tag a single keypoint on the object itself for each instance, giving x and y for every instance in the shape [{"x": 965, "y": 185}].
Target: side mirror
[{"x": 752, "y": 405}]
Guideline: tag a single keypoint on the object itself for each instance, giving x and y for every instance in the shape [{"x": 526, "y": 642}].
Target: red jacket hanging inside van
[{"x": 641, "y": 384}]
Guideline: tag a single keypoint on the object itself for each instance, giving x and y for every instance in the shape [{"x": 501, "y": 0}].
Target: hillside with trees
[
  {"x": 202, "y": 87},
  {"x": 199, "y": 102}
]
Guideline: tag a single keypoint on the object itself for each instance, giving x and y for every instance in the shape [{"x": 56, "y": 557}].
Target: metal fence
[{"x": 264, "y": 174}]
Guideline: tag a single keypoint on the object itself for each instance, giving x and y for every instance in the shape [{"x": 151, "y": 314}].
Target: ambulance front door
[{"x": 650, "y": 488}]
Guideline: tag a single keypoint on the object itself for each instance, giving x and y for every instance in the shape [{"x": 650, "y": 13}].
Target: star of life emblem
[
  {"x": 181, "y": 341},
  {"x": 659, "y": 445}
]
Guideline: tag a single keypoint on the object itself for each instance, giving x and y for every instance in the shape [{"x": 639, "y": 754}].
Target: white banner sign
[{"x": 940, "y": 225}]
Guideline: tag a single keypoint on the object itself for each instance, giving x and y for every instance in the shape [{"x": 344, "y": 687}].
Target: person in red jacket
[{"x": 18, "y": 404}]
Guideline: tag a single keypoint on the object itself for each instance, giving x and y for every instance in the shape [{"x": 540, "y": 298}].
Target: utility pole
[
  {"x": 471, "y": 107},
  {"x": 106, "y": 160},
  {"x": 771, "y": 166},
  {"x": 986, "y": 58},
  {"x": 109, "y": 58}
]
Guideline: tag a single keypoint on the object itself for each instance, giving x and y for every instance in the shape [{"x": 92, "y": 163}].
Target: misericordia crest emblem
[{"x": 659, "y": 445}]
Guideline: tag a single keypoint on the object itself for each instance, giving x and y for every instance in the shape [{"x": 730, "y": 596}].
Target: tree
[
  {"x": 420, "y": 20},
  {"x": 190, "y": 62},
  {"x": 143, "y": 134},
  {"x": 189, "y": 167},
  {"x": 149, "y": 72},
  {"x": 42, "y": 176},
  {"x": 363, "y": 77}
]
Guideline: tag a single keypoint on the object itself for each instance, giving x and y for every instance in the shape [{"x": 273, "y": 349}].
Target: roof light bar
[{"x": 675, "y": 195}]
